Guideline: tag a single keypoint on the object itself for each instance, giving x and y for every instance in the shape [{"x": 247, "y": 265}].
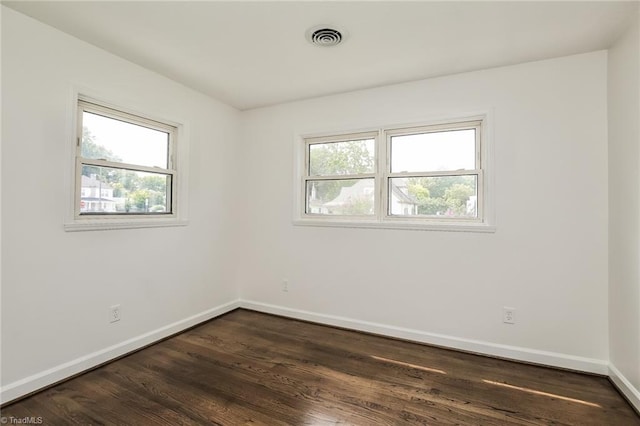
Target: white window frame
[
  {"x": 96, "y": 221},
  {"x": 356, "y": 176},
  {"x": 483, "y": 222},
  {"x": 478, "y": 171}
]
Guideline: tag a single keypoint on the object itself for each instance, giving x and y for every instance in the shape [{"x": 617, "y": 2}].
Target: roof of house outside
[
  {"x": 93, "y": 182},
  {"x": 358, "y": 190}
]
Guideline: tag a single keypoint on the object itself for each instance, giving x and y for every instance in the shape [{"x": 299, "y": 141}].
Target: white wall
[
  {"x": 548, "y": 258},
  {"x": 624, "y": 209},
  {"x": 56, "y": 285}
]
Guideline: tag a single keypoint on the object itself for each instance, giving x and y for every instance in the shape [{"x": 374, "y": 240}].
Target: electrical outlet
[
  {"x": 115, "y": 313},
  {"x": 285, "y": 285},
  {"x": 508, "y": 315}
]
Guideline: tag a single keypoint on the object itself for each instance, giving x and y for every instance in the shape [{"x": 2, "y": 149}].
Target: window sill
[
  {"x": 403, "y": 225},
  {"x": 107, "y": 224}
]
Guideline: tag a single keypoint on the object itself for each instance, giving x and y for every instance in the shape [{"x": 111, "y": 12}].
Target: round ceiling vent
[{"x": 324, "y": 36}]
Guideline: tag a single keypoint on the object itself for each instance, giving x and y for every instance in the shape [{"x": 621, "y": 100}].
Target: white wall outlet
[
  {"x": 508, "y": 315},
  {"x": 115, "y": 313},
  {"x": 285, "y": 285}
]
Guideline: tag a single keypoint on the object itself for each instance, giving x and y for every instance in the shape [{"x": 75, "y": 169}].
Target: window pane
[
  {"x": 433, "y": 152},
  {"x": 107, "y": 190},
  {"x": 341, "y": 197},
  {"x": 114, "y": 140},
  {"x": 342, "y": 158},
  {"x": 445, "y": 196}
]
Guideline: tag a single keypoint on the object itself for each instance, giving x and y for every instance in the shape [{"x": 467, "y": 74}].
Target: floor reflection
[
  {"x": 536, "y": 392},
  {"x": 406, "y": 364}
]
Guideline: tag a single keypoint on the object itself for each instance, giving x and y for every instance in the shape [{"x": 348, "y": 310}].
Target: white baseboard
[
  {"x": 53, "y": 375},
  {"x": 553, "y": 359},
  {"x": 60, "y": 372},
  {"x": 628, "y": 390}
]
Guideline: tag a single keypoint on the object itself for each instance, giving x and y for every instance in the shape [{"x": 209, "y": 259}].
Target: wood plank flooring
[{"x": 251, "y": 368}]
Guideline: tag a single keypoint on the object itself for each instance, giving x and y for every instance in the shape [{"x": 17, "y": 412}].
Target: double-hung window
[
  {"x": 125, "y": 165},
  {"x": 435, "y": 172},
  {"x": 340, "y": 175},
  {"x": 412, "y": 176}
]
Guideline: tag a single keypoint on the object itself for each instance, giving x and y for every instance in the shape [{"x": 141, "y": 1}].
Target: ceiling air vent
[{"x": 324, "y": 36}]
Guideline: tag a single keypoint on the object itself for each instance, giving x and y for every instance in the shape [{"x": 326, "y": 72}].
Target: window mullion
[
  {"x": 340, "y": 138},
  {"x": 124, "y": 166},
  {"x": 87, "y": 106},
  {"x": 341, "y": 177},
  {"x": 437, "y": 128},
  {"x": 386, "y": 170},
  {"x": 433, "y": 174}
]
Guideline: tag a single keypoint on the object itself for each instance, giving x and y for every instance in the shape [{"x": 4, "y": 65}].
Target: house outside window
[{"x": 97, "y": 196}]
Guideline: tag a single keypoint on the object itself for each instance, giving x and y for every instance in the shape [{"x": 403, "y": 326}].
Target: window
[
  {"x": 434, "y": 172},
  {"x": 414, "y": 176},
  {"x": 340, "y": 176},
  {"x": 124, "y": 165}
]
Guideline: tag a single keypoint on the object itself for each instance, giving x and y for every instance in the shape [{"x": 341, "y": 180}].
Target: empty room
[{"x": 320, "y": 213}]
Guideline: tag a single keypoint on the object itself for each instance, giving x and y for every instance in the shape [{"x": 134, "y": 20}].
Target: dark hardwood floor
[{"x": 251, "y": 368}]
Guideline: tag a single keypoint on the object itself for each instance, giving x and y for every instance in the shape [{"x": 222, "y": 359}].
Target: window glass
[
  {"x": 342, "y": 158},
  {"x": 434, "y": 151},
  {"x": 440, "y": 197},
  {"x": 106, "y": 138},
  {"x": 114, "y": 190},
  {"x": 340, "y": 197}
]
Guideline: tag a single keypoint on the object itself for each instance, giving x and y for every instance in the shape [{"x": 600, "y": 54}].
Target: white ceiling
[{"x": 252, "y": 54}]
